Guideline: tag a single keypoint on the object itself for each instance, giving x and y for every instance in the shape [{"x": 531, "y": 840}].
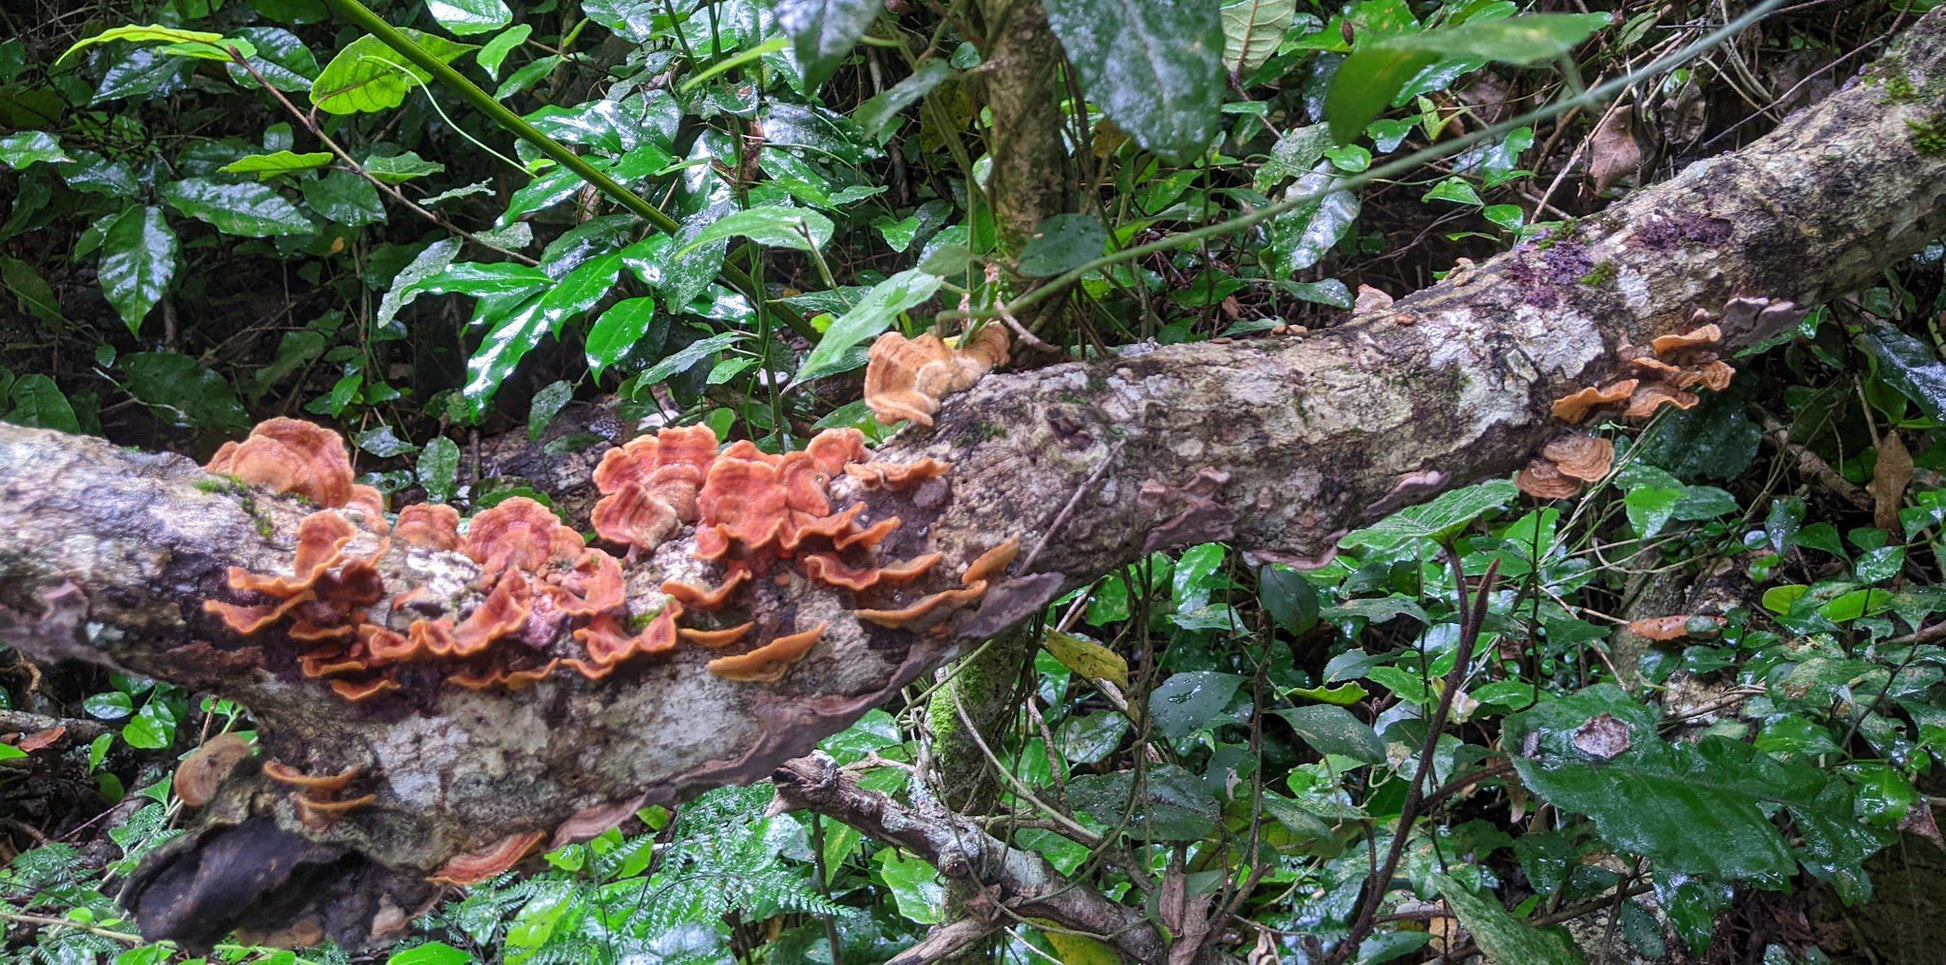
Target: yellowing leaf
[{"x": 1087, "y": 658}]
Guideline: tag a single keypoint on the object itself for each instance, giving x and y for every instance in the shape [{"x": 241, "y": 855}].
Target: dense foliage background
[{"x": 222, "y": 210}]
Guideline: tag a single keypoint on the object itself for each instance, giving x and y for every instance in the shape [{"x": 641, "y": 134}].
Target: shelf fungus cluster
[
  {"x": 754, "y": 514},
  {"x": 907, "y": 377},
  {"x": 1663, "y": 374}
]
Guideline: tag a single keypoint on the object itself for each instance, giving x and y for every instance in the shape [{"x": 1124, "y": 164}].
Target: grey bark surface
[{"x": 1275, "y": 445}]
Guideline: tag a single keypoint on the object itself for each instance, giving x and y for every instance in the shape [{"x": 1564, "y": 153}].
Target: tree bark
[{"x": 1275, "y": 445}]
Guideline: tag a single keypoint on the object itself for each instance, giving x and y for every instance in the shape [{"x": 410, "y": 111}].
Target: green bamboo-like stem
[{"x": 375, "y": 25}]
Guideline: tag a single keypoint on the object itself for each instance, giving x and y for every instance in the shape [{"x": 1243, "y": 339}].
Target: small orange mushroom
[
  {"x": 897, "y": 476},
  {"x": 770, "y": 662},
  {"x": 992, "y": 563},
  {"x": 290, "y": 456},
  {"x": 318, "y": 815},
  {"x": 475, "y": 867},
  {"x": 199, "y": 774},
  {"x": 1575, "y": 407},
  {"x": 609, "y": 643},
  {"x": 355, "y": 691},
  {"x": 1650, "y": 398},
  {"x": 938, "y": 604},
  {"x": 833, "y": 448},
  {"x": 1543, "y": 480},
  {"x": 716, "y": 639},
  {"x": 593, "y": 584},
  {"x": 432, "y": 525},
  {"x": 828, "y": 569},
  {"x": 870, "y": 536},
  {"x": 636, "y": 517},
  {"x": 698, "y": 598},
  {"x": 1580, "y": 456},
  {"x": 1694, "y": 338},
  {"x": 744, "y": 501},
  {"x": 504, "y": 612},
  {"x": 319, "y": 785}
]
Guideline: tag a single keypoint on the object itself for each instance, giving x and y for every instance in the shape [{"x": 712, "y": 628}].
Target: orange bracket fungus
[
  {"x": 471, "y": 869},
  {"x": 199, "y": 774},
  {"x": 1575, "y": 407},
  {"x": 551, "y": 601},
  {"x": 907, "y": 378}
]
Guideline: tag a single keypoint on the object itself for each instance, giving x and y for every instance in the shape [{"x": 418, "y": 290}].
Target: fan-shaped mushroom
[
  {"x": 1575, "y": 407},
  {"x": 1543, "y": 480},
  {"x": 769, "y": 662},
  {"x": 1580, "y": 456},
  {"x": 432, "y": 525},
  {"x": 290, "y": 456}
]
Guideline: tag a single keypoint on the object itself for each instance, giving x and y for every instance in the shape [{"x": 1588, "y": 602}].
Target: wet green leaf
[
  {"x": 464, "y": 18},
  {"x": 1288, "y": 598},
  {"x": 1186, "y": 702},
  {"x": 267, "y": 166},
  {"x": 1911, "y": 366},
  {"x": 1503, "y": 936},
  {"x": 34, "y": 400},
  {"x": 1252, "y": 31},
  {"x": 618, "y": 330},
  {"x": 1062, "y": 243},
  {"x": 823, "y": 32},
  {"x": 875, "y": 114},
  {"x": 1155, "y": 66},
  {"x": 245, "y": 210},
  {"x": 689, "y": 355},
  {"x": 180, "y": 387},
  {"x": 138, "y": 260},
  {"x": 24, "y": 148},
  {"x": 494, "y": 52},
  {"x": 1330, "y": 729},
  {"x": 345, "y": 198},
  {"x": 31, "y": 291},
  {"x": 873, "y": 314},
  {"x": 771, "y": 225},
  {"x": 438, "y": 468},
  {"x": 1174, "y": 804},
  {"x": 399, "y": 168},
  {"x": 369, "y": 76},
  {"x": 1303, "y": 235},
  {"x": 1437, "y": 520},
  {"x": 198, "y": 44}
]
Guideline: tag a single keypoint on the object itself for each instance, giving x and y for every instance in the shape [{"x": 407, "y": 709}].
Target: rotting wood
[{"x": 1275, "y": 445}]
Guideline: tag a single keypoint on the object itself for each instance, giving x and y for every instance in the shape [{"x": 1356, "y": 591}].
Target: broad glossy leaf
[
  {"x": 514, "y": 332},
  {"x": 1911, "y": 366},
  {"x": 1155, "y": 66},
  {"x": 180, "y": 387},
  {"x": 689, "y": 355},
  {"x": 482, "y": 279},
  {"x": 824, "y": 31},
  {"x": 438, "y": 468},
  {"x": 145, "y": 73},
  {"x": 1503, "y": 936},
  {"x": 32, "y": 291},
  {"x": 245, "y": 210},
  {"x": 771, "y": 225},
  {"x": 369, "y": 76},
  {"x": 617, "y": 331},
  {"x": 872, "y": 315},
  {"x": 1376, "y": 72},
  {"x": 199, "y": 44},
  {"x": 1186, "y": 702},
  {"x": 494, "y": 52},
  {"x": 281, "y": 58},
  {"x": 267, "y": 166},
  {"x": 34, "y": 400},
  {"x": 138, "y": 259},
  {"x": 467, "y": 17},
  {"x": 1715, "y": 440},
  {"x": 1062, "y": 243},
  {"x": 1252, "y": 30},
  {"x": 429, "y": 262},
  {"x": 579, "y": 290},
  {"x": 1331, "y": 729},
  {"x": 1436, "y": 520},
  {"x": 915, "y": 886},
  {"x": 1288, "y": 597},
  {"x": 399, "y": 168},
  {"x": 431, "y": 953},
  {"x": 1303, "y": 235},
  {"x": 631, "y": 20},
  {"x": 23, "y": 148},
  {"x": 1701, "y": 808},
  {"x": 548, "y": 403},
  {"x": 1174, "y": 806},
  {"x": 875, "y": 114},
  {"x": 345, "y": 198}
]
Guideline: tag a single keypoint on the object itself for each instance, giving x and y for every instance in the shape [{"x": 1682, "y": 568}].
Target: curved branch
[{"x": 1275, "y": 445}]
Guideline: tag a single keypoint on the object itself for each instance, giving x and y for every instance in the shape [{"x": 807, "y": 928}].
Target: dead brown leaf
[
  {"x": 1613, "y": 150},
  {"x": 1889, "y": 480}
]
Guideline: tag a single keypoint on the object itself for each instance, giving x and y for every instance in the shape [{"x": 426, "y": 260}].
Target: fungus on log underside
[
  {"x": 1696, "y": 337},
  {"x": 199, "y": 774},
  {"x": 1543, "y": 480},
  {"x": 907, "y": 378},
  {"x": 290, "y": 456},
  {"x": 698, "y": 598},
  {"x": 991, "y": 563},
  {"x": 471, "y": 869},
  {"x": 716, "y": 639},
  {"x": 768, "y": 663},
  {"x": 1650, "y": 398},
  {"x": 1575, "y": 407},
  {"x": 897, "y": 476},
  {"x": 926, "y": 609},
  {"x": 609, "y": 643}
]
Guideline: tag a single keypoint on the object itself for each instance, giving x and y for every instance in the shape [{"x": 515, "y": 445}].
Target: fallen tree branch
[
  {"x": 1275, "y": 445},
  {"x": 1020, "y": 881}
]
